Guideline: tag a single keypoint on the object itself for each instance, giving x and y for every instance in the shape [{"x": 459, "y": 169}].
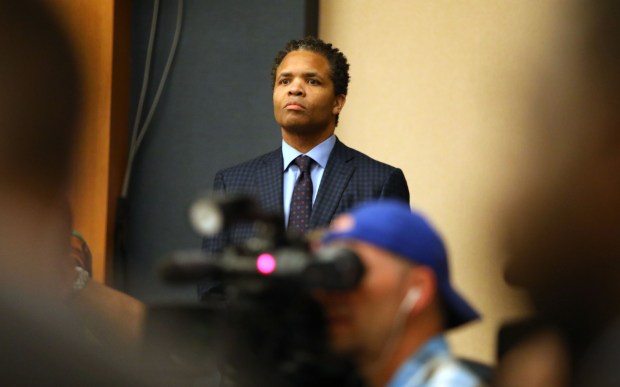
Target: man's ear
[
  {"x": 339, "y": 103},
  {"x": 423, "y": 279}
]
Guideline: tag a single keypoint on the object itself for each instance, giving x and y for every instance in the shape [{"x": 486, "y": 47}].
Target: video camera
[{"x": 273, "y": 332}]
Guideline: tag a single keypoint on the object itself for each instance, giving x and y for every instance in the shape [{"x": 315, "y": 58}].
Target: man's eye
[
  {"x": 284, "y": 81},
  {"x": 314, "y": 82}
]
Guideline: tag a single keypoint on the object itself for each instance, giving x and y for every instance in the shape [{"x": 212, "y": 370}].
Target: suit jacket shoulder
[
  {"x": 352, "y": 177},
  {"x": 362, "y": 159},
  {"x": 241, "y": 178},
  {"x": 259, "y": 178}
]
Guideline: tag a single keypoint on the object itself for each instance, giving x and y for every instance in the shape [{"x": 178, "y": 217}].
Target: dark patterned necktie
[{"x": 301, "y": 201}]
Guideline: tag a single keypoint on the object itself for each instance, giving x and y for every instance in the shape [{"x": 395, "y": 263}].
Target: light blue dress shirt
[
  {"x": 320, "y": 155},
  {"x": 434, "y": 366}
]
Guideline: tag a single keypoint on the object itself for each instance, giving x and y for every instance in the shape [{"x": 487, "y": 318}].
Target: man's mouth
[{"x": 294, "y": 106}]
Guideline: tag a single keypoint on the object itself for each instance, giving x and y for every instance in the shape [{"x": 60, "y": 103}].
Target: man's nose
[{"x": 296, "y": 89}]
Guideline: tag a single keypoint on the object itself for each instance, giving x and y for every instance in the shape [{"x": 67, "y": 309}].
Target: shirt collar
[
  {"x": 436, "y": 346},
  {"x": 320, "y": 153}
]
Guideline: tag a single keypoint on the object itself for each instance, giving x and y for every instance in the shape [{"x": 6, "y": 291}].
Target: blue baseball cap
[{"x": 392, "y": 225}]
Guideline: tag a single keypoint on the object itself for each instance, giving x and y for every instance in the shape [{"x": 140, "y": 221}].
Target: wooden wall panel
[{"x": 100, "y": 30}]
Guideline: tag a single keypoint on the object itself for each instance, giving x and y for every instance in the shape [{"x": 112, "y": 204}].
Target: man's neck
[
  {"x": 380, "y": 371},
  {"x": 306, "y": 141}
]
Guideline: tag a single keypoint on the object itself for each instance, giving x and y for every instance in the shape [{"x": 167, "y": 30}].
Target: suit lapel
[
  {"x": 269, "y": 182},
  {"x": 337, "y": 174}
]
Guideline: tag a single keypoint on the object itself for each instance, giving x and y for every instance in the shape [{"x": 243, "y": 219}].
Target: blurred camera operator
[{"x": 393, "y": 323}]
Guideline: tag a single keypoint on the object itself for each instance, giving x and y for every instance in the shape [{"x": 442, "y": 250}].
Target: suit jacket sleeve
[{"x": 396, "y": 186}]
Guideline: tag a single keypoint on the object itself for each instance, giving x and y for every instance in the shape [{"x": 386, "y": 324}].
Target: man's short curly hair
[{"x": 338, "y": 65}]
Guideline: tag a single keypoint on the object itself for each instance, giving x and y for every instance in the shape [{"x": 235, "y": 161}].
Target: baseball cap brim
[{"x": 394, "y": 226}]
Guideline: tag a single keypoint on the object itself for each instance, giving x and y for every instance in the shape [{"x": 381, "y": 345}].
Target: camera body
[{"x": 272, "y": 331}]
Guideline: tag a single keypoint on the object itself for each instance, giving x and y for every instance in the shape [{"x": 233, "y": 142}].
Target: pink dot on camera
[{"x": 266, "y": 263}]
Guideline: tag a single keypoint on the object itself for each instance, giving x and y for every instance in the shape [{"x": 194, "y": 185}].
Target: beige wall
[{"x": 437, "y": 88}]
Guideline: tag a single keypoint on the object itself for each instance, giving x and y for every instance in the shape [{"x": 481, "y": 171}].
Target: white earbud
[{"x": 409, "y": 301}]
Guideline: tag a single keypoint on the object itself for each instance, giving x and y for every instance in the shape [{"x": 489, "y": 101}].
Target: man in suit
[{"x": 310, "y": 81}]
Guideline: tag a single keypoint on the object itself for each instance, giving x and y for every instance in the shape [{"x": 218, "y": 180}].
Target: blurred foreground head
[
  {"x": 563, "y": 230},
  {"x": 38, "y": 99},
  {"x": 39, "y": 105}
]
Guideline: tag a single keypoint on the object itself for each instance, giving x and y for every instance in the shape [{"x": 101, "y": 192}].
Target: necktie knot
[{"x": 303, "y": 162}]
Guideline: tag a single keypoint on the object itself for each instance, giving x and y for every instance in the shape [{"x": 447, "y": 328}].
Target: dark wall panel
[{"x": 216, "y": 111}]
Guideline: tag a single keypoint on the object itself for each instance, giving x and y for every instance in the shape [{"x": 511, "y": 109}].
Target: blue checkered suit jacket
[{"x": 350, "y": 178}]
